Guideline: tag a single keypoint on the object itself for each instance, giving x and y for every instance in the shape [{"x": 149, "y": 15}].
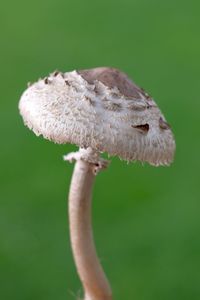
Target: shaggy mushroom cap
[{"x": 99, "y": 108}]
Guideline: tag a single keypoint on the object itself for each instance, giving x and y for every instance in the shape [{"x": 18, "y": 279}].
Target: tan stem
[{"x": 96, "y": 286}]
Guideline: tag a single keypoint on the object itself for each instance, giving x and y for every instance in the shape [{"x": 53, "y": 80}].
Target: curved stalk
[{"x": 96, "y": 286}]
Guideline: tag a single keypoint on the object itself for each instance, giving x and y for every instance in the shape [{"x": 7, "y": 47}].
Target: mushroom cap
[{"x": 99, "y": 108}]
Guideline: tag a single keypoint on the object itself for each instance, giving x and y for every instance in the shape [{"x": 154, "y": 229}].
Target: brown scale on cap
[
  {"x": 136, "y": 107},
  {"x": 163, "y": 124},
  {"x": 46, "y": 80},
  {"x": 144, "y": 128},
  {"x": 108, "y": 105},
  {"x": 67, "y": 82},
  {"x": 89, "y": 100},
  {"x": 55, "y": 73}
]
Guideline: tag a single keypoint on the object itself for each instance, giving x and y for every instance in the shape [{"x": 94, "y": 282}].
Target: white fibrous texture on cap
[{"x": 65, "y": 108}]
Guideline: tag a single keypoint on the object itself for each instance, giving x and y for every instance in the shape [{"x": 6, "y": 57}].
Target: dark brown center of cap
[{"x": 111, "y": 78}]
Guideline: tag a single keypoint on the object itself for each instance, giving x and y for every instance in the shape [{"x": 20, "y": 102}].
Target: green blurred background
[{"x": 146, "y": 219}]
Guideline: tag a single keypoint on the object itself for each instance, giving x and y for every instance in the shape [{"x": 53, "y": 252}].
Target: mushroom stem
[{"x": 95, "y": 283}]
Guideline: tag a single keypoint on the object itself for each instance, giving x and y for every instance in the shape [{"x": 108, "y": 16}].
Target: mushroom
[{"x": 99, "y": 110}]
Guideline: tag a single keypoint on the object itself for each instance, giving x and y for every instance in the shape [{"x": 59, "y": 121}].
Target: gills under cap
[{"x": 99, "y": 108}]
